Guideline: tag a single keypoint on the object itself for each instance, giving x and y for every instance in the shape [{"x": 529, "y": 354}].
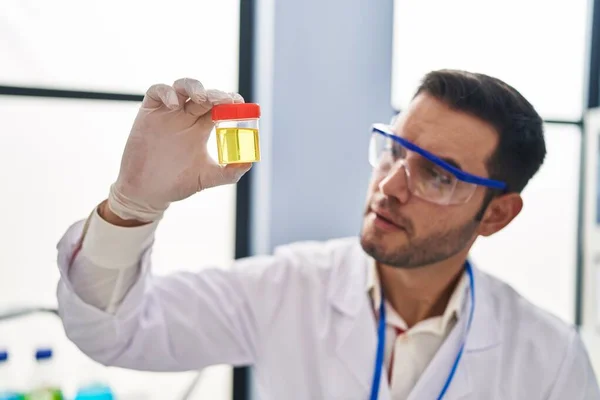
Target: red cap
[{"x": 235, "y": 111}]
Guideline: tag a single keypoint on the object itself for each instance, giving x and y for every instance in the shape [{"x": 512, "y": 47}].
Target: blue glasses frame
[{"x": 460, "y": 175}]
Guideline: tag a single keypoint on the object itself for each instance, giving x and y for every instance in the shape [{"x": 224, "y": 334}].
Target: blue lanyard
[{"x": 381, "y": 341}]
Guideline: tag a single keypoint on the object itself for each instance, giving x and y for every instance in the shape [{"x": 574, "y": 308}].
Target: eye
[
  {"x": 441, "y": 178},
  {"x": 397, "y": 151}
]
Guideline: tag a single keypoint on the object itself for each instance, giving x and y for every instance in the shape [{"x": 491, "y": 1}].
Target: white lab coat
[{"x": 302, "y": 318}]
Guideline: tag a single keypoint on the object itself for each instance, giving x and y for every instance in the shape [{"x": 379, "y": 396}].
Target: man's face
[{"x": 402, "y": 230}]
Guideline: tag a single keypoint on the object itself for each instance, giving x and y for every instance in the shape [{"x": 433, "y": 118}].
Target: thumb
[
  {"x": 234, "y": 172},
  {"x": 218, "y": 175}
]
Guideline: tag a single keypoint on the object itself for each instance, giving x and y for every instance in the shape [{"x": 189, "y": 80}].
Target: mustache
[{"x": 389, "y": 206}]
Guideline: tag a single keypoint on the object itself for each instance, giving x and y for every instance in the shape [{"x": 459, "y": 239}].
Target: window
[
  {"x": 537, "y": 46},
  {"x": 59, "y": 156},
  {"x": 536, "y": 253},
  {"x": 57, "y": 161},
  {"x": 116, "y": 46}
]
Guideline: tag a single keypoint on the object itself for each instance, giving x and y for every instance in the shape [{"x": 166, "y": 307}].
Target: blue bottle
[{"x": 95, "y": 392}]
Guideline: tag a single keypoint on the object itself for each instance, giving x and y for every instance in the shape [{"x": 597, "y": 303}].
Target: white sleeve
[
  {"x": 176, "y": 322},
  {"x": 576, "y": 379},
  {"x": 107, "y": 265}
]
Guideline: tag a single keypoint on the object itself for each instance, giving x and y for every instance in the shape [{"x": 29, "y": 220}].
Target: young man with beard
[{"x": 397, "y": 313}]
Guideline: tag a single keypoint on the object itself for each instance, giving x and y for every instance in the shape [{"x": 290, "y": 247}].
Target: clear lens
[{"x": 426, "y": 179}]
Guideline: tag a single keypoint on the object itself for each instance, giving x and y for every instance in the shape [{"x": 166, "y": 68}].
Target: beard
[{"x": 414, "y": 252}]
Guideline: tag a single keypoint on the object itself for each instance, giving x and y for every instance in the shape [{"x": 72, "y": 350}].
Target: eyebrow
[
  {"x": 447, "y": 160},
  {"x": 451, "y": 161}
]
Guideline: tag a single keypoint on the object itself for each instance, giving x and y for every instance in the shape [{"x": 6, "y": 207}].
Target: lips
[{"x": 386, "y": 217}]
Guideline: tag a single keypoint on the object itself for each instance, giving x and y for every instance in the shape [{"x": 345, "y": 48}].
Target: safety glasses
[{"x": 429, "y": 177}]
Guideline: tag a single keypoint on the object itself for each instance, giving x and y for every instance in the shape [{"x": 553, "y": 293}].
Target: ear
[{"x": 499, "y": 213}]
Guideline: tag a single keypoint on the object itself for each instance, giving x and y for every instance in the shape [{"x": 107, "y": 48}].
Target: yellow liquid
[{"x": 237, "y": 145}]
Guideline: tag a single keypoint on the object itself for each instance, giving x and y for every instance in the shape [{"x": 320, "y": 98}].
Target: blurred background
[{"x": 72, "y": 75}]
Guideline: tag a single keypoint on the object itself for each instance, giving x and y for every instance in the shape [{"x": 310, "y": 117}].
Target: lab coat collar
[
  {"x": 357, "y": 341},
  {"x": 442, "y": 323},
  {"x": 485, "y": 328},
  {"x": 350, "y": 277}
]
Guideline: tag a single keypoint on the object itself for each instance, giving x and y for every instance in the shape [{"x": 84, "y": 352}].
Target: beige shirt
[{"x": 409, "y": 351}]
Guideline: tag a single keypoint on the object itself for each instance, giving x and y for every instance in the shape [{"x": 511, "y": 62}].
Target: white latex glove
[{"x": 166, "y": 158}]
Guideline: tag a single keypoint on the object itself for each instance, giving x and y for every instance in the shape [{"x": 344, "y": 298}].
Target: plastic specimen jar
[{"x": 236, "y": 128}]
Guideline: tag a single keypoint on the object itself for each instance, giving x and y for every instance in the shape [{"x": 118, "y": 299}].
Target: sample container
[{"x": 237, "y": 132}]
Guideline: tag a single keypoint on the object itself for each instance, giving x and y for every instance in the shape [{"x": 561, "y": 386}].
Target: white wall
[
  {"x": 58, "y": 157},
  {"x": 323, "y": 77}
]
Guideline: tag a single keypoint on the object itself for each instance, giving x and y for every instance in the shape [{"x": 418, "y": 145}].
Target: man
[{"x": 399, "y": 313}]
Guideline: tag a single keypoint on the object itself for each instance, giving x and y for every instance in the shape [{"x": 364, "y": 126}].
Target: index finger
[{"x": 160, "y": 94}]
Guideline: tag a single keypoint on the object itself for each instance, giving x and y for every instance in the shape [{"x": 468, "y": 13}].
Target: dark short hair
[{"x": 521, "y": 147}]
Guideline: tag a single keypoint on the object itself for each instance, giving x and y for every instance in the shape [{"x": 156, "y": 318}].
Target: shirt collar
[{"x": 442, "y": 324}]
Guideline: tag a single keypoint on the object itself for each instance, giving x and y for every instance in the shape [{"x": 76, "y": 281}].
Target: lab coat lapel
[
  {"x": 353, "y": 321},
  {"x": 357, "y": 347},
  {"x": 482, "y": 337}
]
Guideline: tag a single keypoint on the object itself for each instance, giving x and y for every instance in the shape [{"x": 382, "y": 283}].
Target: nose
[{"x": 395, "y": 183}]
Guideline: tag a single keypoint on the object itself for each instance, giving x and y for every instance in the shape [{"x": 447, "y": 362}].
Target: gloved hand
[{"x": 166, "y": 158}]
